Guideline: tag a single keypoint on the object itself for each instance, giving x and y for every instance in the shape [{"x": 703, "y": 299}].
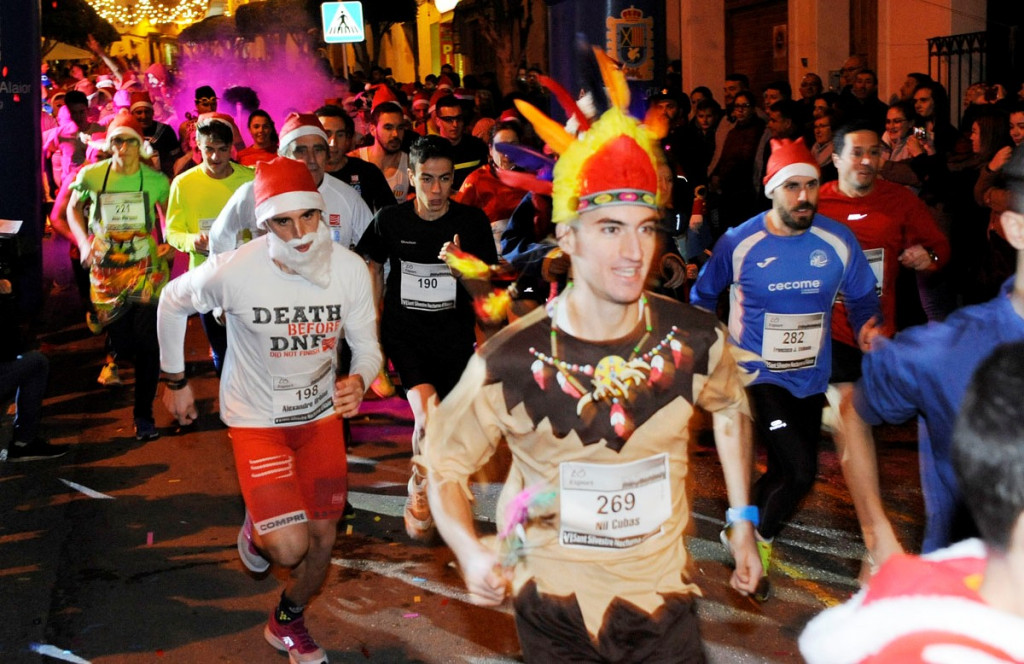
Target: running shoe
[
  {"x": 145, "y": 430},
  {"x": 38, "y": 450},
  {"x": 247, "y": 551},
  {"x": 764, "y": 587},
  {"x": 109, "y": 376},
  {"x": 764, "y": 550},
  {"x": 382, "y": 385},
  {"x": 293, "y": 638},
  {"x": 419, "y": 524},
  {"x": 92, "y": 322}
]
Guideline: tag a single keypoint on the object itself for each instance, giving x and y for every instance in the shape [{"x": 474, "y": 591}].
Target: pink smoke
[{"x": 284, "y": 82}]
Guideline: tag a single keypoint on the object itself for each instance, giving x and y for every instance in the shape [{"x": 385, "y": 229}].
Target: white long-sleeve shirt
[{"x": 283, "y": 332}]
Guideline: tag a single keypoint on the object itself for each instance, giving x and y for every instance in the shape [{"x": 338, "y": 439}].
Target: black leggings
[
  {"x": 133, "y": 335},
  {"x": 789, "y": 428}
]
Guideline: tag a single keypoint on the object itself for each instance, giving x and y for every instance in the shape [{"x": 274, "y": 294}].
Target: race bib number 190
[{"x": 427, "y": 286}]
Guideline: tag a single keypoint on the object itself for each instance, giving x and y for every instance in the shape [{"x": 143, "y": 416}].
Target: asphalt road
[{"x": 124, "y": 552}]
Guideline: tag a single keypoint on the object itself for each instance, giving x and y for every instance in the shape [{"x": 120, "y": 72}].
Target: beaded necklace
[{"x": 613, "y": 378}]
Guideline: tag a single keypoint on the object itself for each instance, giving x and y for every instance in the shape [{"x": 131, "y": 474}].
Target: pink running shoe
[
  {"x": 293, "y": 638},
  {"x": 247, "y": 551}
]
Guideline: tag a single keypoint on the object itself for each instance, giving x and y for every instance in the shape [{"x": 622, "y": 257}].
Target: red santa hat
[
  {"x": 225, "y": 119},
  {"x": 465, "y": 94},
  {"x": 420, "y": 99},
  {"x": 382, "y": 94},
  {"x": 86, "y": 87},
  {"x": 140, "y": 99},
  {"x": 158, "y": 72},
  {"x": 125, "y": 125},
  {"x": 214, "y": 116},
  {"x": 445, "y": 83},
  {"x": 284, "y": 185},
  {"x": 789, "y": 158},
  {"x": 130, "y": 82},
  {"x": 122, "y": 99},
  {"x": 510, "y": 115},
  {"x": 104, "y": 81},
  {"x": 438, "y": 96},
  {"x": 297, "y": 125}
]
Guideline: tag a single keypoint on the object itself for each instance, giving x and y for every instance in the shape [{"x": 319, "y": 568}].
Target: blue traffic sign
[{"x": 343, "y": 22}]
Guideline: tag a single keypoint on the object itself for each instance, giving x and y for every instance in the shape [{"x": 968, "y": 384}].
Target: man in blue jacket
[{"x": 925, "y": 371}]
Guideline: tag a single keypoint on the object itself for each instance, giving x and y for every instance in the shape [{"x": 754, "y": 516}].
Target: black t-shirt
[
  {"x": 367, "y": 179},
  {"x": 469, "y": 155},
  {"x": 415, "y": 302}
]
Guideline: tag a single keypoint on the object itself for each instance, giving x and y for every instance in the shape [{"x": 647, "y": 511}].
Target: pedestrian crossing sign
[{"x": 343, "y": 22}]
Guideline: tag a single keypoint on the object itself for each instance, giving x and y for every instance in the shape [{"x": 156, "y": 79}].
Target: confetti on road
[
  {"x": 411, "y": 615},
  {"x": 86, "y": 490},
  {"x": 149, "y": 538}
]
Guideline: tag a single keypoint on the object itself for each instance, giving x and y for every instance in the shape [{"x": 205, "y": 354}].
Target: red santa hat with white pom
[{"x": 284, "y": 185}]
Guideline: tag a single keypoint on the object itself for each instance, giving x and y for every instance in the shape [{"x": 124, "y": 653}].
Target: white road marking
[{"x": 86, "y": 490}]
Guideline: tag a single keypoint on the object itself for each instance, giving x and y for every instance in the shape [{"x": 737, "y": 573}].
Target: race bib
[
  {"x": 123, "y": 212},
  {"x": 791, "y": 341},
  {"x": 206, "y": 224},
  {"x": 427, "y": 286},
  {"x": 614, "y": 506},
  {"x": 876, "y": 260},
  {"x": 302, "y": 397}
]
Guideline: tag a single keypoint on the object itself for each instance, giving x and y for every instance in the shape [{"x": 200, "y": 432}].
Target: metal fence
[{"x": 957, "y": 61}]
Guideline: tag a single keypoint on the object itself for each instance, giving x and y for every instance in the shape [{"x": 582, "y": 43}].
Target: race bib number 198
[{"x": 301, "y": 397}]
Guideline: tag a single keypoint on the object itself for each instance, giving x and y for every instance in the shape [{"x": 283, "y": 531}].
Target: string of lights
[{"x": 127, "y": 12}]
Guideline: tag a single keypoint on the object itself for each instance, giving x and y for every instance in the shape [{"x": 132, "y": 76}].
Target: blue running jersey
[{"x": 781, "y": 293}]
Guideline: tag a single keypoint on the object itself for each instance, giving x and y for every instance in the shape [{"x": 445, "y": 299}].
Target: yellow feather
[
  {"x": 552, "y": 133},
  {"x": 657, "y": 125},
  {"x": 614, "y": 79}
]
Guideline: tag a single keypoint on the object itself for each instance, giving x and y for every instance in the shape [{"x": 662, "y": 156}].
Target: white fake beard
[{"x": 314, "y": 264}]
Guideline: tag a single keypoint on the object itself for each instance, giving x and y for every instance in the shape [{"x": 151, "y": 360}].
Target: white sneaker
[{"x": 419, "y": 523}]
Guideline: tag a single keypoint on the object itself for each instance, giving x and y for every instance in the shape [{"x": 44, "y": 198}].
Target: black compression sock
[{"x": 287, "y": 611}]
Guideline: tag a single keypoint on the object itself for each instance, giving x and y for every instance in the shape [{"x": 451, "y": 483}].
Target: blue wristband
[{"x": 746, "y": 513}]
